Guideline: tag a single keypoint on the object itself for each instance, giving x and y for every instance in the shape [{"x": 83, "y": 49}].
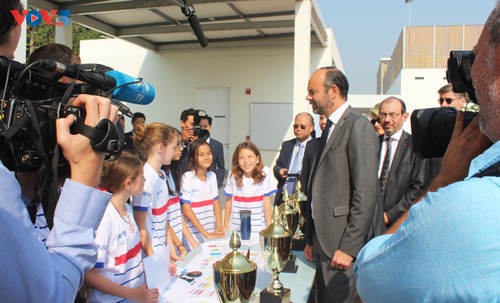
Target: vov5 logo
[{"x": 35, "y": 17}]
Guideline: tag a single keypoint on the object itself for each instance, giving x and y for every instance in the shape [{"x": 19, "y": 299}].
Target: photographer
[
  {"x": 447, "y": 248},
  {"x": 30, "y": 272},
  {"x": 191, "y": 131}
]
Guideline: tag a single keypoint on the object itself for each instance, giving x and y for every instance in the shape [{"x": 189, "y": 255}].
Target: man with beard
[
  {"x": 342, "y": 188},
  {"x": 447, "y": 249}
]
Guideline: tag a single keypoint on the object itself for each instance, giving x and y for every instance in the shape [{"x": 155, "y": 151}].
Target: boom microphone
[
  {"x": 122, "y": 86},
  {"x": 195, "y": 25}
]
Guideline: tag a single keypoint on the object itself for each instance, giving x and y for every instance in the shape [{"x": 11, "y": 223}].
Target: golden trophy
[
  {"x": 276, "y": 244},
  {"x": 300, "y": 202},
  {"x": 235, "y": 275},
  {"x": 290, "y": 214}
]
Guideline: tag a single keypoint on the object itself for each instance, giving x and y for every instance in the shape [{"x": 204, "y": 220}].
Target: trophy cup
[
  {"x": 290, "y": 214},
  {"x": 235, "y": 275},
  {"x": 276, "y": 243},
  {"x": 300, "y": 200}
]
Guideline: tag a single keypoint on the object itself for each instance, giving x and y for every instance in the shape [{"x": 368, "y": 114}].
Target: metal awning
[{"x": 160, "y": 25}]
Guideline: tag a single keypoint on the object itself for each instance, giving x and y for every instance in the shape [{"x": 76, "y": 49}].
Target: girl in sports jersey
[
  {"x": 118, "y": 273},
  {"x": 200, "y": 195},
  {"x": 174, "y": 214},
  {"x": 249, "y": 187},
  {"x": 156, "y": 143}
]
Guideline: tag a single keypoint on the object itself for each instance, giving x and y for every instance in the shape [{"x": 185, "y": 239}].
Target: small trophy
[
  {"x": 276, "y": 243},
  {"x": 300, "y": 200},
  {"x": 235, "y": 275},
  {"x": 290, "y": 213}
]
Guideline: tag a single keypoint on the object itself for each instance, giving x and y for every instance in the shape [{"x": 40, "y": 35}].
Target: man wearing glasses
[
  {"x": 401, "y": 173},
  {"x": 291, "y": 155},
  {"x": 448, "y": 98}
]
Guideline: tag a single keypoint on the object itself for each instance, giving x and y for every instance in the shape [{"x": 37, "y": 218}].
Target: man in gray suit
[
  {"x": 404, "y": 179},
  {"x": 217, "y": 151},
  {"x": 343, "y": 188}
]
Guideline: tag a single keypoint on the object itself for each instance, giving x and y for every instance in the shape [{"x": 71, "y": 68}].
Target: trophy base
[
  {"x": 290, "y": 266},
  {"x": 268, "y": 297}
]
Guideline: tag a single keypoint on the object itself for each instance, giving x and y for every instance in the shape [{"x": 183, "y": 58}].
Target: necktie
[
  {"x": 322, "y": 142},
  {"x": 384, "y": 174},
  {"x": 295, "y": 168}
]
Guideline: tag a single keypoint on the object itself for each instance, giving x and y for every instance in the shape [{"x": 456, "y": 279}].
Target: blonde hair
[
  {"x": 147, "y": 136},
  {"x": 115, "y": 173}
]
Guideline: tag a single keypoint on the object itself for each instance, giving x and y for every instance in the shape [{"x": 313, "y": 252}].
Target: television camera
[
  {"x": 432, "y": 127},
  {"x": 32, "y": 99}
]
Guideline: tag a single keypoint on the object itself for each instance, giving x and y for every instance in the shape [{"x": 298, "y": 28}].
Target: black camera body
[
  {"x": 197, "y": 130},
  {"x": 30, "y": 104},
  {"x": 432, "y": 127}
]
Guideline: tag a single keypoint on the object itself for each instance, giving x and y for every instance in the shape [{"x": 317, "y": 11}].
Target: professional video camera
[
  {"x": 31, "y": 101},
  {"x": 432, "y": 127},
  {"x": 197, "y": 130}
]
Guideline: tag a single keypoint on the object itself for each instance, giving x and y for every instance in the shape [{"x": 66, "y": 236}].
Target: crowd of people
[{"x": 382, "y": 223}]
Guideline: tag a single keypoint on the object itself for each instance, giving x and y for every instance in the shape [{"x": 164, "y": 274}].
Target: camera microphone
[
  {"x": 195, "y": 25},
  {"x": 122, "y": 86}
]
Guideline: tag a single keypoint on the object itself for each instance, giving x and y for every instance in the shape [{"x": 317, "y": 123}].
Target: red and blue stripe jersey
[
  {"x": 174, "y": 212},
  {"x": 250, "y": 197},
  {"x": 119, "y": 257},
  {"x": 201, "y": 195},
  {"x": 154, "y": 200}
]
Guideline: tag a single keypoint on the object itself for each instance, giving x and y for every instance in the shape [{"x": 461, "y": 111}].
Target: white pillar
[
  {"x": 20, "y": 53},
  {"x": 302, "y": 55},
  {"x": 64, "y": 35}
]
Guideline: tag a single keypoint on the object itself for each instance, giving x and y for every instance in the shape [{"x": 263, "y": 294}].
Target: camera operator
[
  {"x": 29, "y": 271},
  {"x": 191, "y": 131},
  {"x": 447, "y": 248}
]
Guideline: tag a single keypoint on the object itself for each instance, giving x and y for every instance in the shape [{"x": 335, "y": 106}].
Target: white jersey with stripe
[
  {"x": 154, "y": 200},
  {"x": 201, "y": 195},
  {"x": 250, "y": 197},
  {"x": 174, "y": 212},
  {"x": 119, "y": 257}
]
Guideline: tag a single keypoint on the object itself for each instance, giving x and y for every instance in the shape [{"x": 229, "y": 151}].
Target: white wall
[{"x": 176, "y": 75}]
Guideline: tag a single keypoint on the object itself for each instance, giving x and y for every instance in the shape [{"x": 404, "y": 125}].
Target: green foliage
[{"x": 44, "y": 34}]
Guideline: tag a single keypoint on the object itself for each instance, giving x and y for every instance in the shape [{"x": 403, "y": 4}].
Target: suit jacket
[
  {"x": 344, "y": 188},
  {"x": 283, "y": 161},
  {"x": 218, "y": 161},
  {"x": 128, "y": 143},
  {"x": 407, "y": 179}
]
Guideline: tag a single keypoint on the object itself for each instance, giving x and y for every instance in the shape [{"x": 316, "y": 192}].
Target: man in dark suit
[
  {"x": 137, "y": 118},
  {"x": 342, "y": 187},
  {"x": 291, "y": 155},
  {"x": 406, "y": 173},
  {"x": 217, "y": 151}
]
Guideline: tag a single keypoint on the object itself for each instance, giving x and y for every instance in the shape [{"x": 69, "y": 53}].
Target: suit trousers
[{"x": 333, "y": 285}]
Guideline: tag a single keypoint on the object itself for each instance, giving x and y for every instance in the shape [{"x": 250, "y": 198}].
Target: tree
[{"x": 44, "y": 34}]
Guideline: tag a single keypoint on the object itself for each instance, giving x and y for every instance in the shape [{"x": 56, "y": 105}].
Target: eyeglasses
[
  {"x": 373, "y": 121},
  {"x": 448, "y": 100},
  {"x": 302, "y": 126},
  {"x": 392, "y": 115}
]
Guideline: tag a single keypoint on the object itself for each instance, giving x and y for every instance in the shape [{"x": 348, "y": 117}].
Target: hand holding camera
[{"x": 85, "y": 162}]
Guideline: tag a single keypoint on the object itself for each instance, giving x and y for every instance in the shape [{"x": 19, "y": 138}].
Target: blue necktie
[{"x": 295, "y": 168}]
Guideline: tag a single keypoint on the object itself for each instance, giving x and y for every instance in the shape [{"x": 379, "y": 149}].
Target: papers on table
[{"x": 202, "y": 289}]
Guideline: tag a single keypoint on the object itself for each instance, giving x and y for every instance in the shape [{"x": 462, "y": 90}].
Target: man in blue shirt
[
  {"x": 448, "y": 248},
  {"x": 29, "y": 271}
]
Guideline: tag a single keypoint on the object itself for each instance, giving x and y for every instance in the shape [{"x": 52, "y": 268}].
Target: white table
[{"x": 299, "y": 283}]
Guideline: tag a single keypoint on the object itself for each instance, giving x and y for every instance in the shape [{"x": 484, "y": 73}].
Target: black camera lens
[{"x": 432, "y": 129}]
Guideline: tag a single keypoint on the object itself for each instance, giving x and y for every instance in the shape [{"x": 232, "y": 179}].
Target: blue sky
[{"x": 368, "y": 30}]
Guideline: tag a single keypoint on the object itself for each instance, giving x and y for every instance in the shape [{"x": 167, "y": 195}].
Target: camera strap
[{"x": 104, "y": 137}]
